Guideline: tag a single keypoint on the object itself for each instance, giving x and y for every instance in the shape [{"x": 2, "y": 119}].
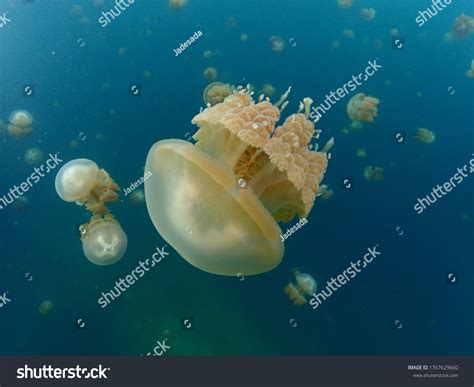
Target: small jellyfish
[
  {"x": 210, "y": 74},
  {"x": 98, "y": 3},
  {"x": 178, "y": 4},
  {"x": 362, "y": 108},
  {"x": 361, "y": 153},
  {"x": 231, "y": 22},
  {"x": 3, "y": 127},
  {"x": 207, "y": 54},
  {"x": 235, "y": 230},
  {"x": 356, "y": 126},
  {"x": 348, "y": 33},
  {"x": 33, "y": 156},
  {"x": 425, "y": 136},
  {"x": 20, "y": 122},
  {"x": 73, "y": 144},
  {"x": 137, "y": 197},
  {"x": 268, "y": 90},
  {"x": 82, "y": 181},
  {"x": 326, "y": 192},
  {"x": 46, "y": 306},
  {"x": 378, "y": 44},
  {"x": 147, "y": 74},
  {"x": 305, "y": 286},
  {"x": 387, "y": 83},
  {"x": 336, "y": 44},
  {"x": 76, "y": 10},
  {"x": 373, "y": 173},
  {"x": 244, "y": 38},
  {"x": 20, "y": 203},
  {"x": 216, "y": 92},
  {"x": 344, "y": 4},
  {"x": 367, "y": 14},
  {"x": 276, "y": 43},
  {"x": 344, "y": 131},
  {"x": 470, "y": 72},
  {"x": 99, "y": 137},
  {"x": 462, "y": 28},
  {"x": 103, "y": 240},
  {"x": 84, "y": 21},
  {"x": 394, "y": 32},
  {"x": 121, "y": 51}
]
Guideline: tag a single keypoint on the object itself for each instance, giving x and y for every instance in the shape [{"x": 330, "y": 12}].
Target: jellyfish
[
  {"x": 470, "y": 72},
  {"x": 356, "y": 126},
  {"x": 207, "y": 54},
  {"x": 344, "y": 131},
  {"x": 34, "y": 156},
  {"x": 462, "y": 28},
  {"x": 361, "y": 153},
  {"x": 147, "y": 74},
  {"x": 425, "y": 136},
  {"x": 344, "y": 4},
  {"x": 82, "y": 181},
  {"x": 326, "y": 192},
  {"x": 373, "y": 173},
  {"x": 20, "y": 122},
  {"x": 137, "y": 197},
  {"x": 46, "y": 306},
  {"x": 103, "y": 240},
  {"x": 378, "y": 44},
  {"x": 231, "y": 22},
  {"x": 305, "y": 286},
  {"x": 394, "y": 32},
  {"x": 84, "y": 21},
  {"x": 210, "y": 74},
  {"x": 216, "y": 92},
  {"x": 98, "y": 3},
  {"x": 178, "y": 4},
  {"x": 3, "y": 127},
  {"x": 277, "y": 43},
  {"x": 122, "y": 51},
  {"x": 336, "y": 44},
  {"x": 244, "y": 38},
  {"x": 348, "y": 34},
  {"x": 362, "y": 108},
  {"x": 20, "y": 203},
  {"x": 199, "y": 187},
  {"x": 73, "y": 144},
  {"x": 268, "y": 90},
  {"x": 367, "y": 14},
  {"x": 76, "y": 10}
]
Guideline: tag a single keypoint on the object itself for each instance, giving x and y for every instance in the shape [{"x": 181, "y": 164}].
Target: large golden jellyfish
[
  {"x": 462, "y": 28},
  {"x": 232, "y": 187},
  {"x": 470, "y": 72},
  {"x": 305, "y": 286},
  {"x": 20, "y": 124},
  {"x": 424, "y": 135},
  {"x": 216, "y": 92},
  {"x": 362, "y": 108},
  {"x": 81, "y": 181},
  {"x": 373, "y": 173}
]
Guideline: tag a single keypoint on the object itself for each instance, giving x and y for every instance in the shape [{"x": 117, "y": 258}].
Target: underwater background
[{"x": 403, "y": 303}]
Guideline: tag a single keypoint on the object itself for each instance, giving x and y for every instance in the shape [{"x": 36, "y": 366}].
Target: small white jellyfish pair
[
  {"x": 103, "y": 240},
  {"x": 305, "y": 286}
]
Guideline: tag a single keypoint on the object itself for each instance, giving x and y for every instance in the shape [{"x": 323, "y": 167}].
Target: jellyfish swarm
[
  {"x": 373, "y": 173},
  {"x": 103, "y": 240},
  {"x": 34, "y": 156},
  {"x": 462, "y": 28},
  {"x": 197, "y": 186},
  {"x": 216, "y": 92},
  {"x": 424, "y": 135},
  {"x": 362, "y": 108},
  {"x": 305, "y": 286},
  {"x": 277, "y": 43},
  {"x": 367, "y": 14},
  {"x": 20, "y": 122},
  {"x": 470, "y": 72},
  {"x": 82, "y": 181}
]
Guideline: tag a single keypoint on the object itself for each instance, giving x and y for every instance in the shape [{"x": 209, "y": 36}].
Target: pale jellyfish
[
  {"x": 276, "y": 43},
  {"x": 216, "y": 92},
  {"x": 207, "y": 54},
  {"x": 210, "y": 74},
  {"x": 82, "y": 181},
  {"x": 348, "y": 33},
  {"x": 231, "y": 22},
  {"x": 462, "y": 28},
  {"x": 244, "y": 38},
  {"x": 305, "y": 286},
  {"x": 20, "y": 122},
  {"x": 470, "y": 72},
  {"x": 268, "y": 90},
  {"x": 147, "y": 74},
  {"x": 373, "y": 173},
  {"x": 103, "y": 240},
  {"x": 367, "y": 13},
  {"x": 425, "y": 136},
  {"x": 137, "y": 197},
  {"x": 344, "y": 4},
  {"x": 33, "y": 156},
  {"x": 232, "y": 187},
  {"x": 3, "y": 127},
  {"x": 122, "y": 51},
  {"x": 394, "y": 32},
  {"x": 356, "y": 126},
  {"x": 45, "y": 307},
  {"x": 336, "y": 44},
  {"x": 325, "y": 192},
  {"x": 362, "y": 108},
  {"x": 20, "y": 203},
  {"x": 178, "y": 4},
  {"x": 361, "y": 153},
  {"x": 76, "y": 10}
]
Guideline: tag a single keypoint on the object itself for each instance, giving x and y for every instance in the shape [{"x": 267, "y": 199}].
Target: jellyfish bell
[
  {"x": 244, "y": 38},
  {"x": 361, "y": 153},
  {"x": 344, "y": 4},
  {"x": 177, "y": 4},
  {"x": 103, "y": 240},
  {"x": 276, "y": 43},
  {"x": 425, "y": 136},
  {"x": 195, "y": 187},
  {"x": 362, "y": 108},
  {"x": 305, "y": 286},
  {"x": 137, "y": 197},
  {"x": 33, "y": 156},
  {"x": 470, "y": 72},
  {"x": 268, "y": 90},
  {"x": 216, "y": 92},
  {"x": 20, "y": 203},
  {"x": 207, "y": 54},
  {"x": 20, "y": 122},
  {"x": 367, "y": 14},
  {"x": 373, "y": 173},
  {"x": 46, "y": 306},
  {"x": 210, "y": 74},
  {"x": 348, "y": 33},
  {"x": 306, "y": 283}
]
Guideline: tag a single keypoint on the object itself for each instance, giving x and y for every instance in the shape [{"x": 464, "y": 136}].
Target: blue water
[{"x": 68, "y": 63}]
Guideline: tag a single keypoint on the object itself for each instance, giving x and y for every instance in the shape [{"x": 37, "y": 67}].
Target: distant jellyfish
[
  {"x": 361, "y": 153},
  {"x": 21, "y": 202},
  {"x": 344, "y": 131},
  {"x": 147, "y": 74},
  {"x": 178, "y": 4},
  {"x": 207, "y": 54},
  {"x": 387, "y": 83},
  {"x": 98, "y": 3},
  {"x": 84, "y": 21},
  {"x": 378, "y": 44},
  {"x": 470, "y": 72},
  {"x": 99, "y": 137},
  {"x": 82, "y": 181},
  {"x": 268, "y": 90},
  {"x": 210, "y": 74},
  {"x": 20, "y": 122},
  {"x": 394, "y": 32},
  {"x": 348, "y": 33},
  {"x": 33, "y": 156},
  {"x": 367, "y": 14},
  {"x": 326, "y": 192},
  {"x": 3, "y": 127},
  {"x": 76, "y": 10},
  {"x": 73, "y": 144},
  {"x": 122, "y": 51},
  {"x": 244, "y": 38},
  {"x": 425, "y": 136},
  {"x": 305, "y": 286},
  {"x": 277, "y": 43},
  {"x": 231, "y": 22},
  {"x": 216, "y": 92},
  {"x": 462, "y": 28},
  {"x": 336, "y": 44},
  {"x": 344, "y": 4},
  {"x": 46, "y": 306},
  {"x": 137, "y": 197},
  {"x": 103, "y": 240},
  {"x": 362, "y": 108},
  {"x": 356, "y": 126},
  {"x": 373, "y": 173},
  {"x": 105, "y": 87}
]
